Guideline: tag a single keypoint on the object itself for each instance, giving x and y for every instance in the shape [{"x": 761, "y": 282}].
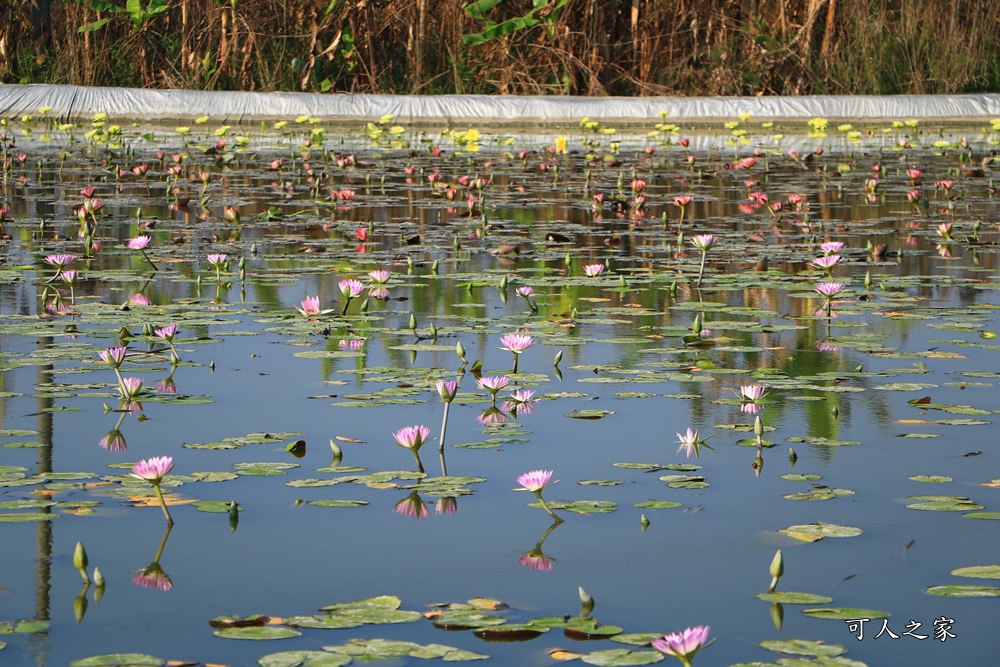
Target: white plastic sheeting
[{"x": 76, "y": 103}]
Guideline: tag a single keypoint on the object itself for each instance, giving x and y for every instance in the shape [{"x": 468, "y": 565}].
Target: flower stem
[
  {"x": 516, "y": 355},
  {"x": 444, "y": 426},
  {"x": 146, "y": 257},
  {"x": 347, "y": 305},
  {"x": 538, "y": 494},
  {"x": 163, "y": 504},
  {"x": 420, "y": 466},
  {"x": 701, "y": 272}
]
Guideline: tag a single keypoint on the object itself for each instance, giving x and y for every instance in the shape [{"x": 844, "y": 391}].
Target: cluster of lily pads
[{"x": 620, "y": 257}]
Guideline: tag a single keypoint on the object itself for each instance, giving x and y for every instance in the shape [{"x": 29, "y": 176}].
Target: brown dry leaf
[
  {"x": 914, "y": 421},
  {"x": 382, "y": 485},
  {"x": 344, "y": 438},
  {"x": 563, "y": 654},
  {"x": 805, "y": 537},
  {"x": 634, "y": 305},
  {"x": 937, "y": 354},
  {"x": 488, "y": 603},
  {"x": 993, "y": 484},
  {"x": 95, "y": 485},
  {"x": 80, "y": 511},
  {"x": 433, "y": 614},
  {"x": 152, "y": 501},
  {"x": 275, "y": 620},
  {"x": 595, "y": 299},
  {"x": 45, "y": 492}
]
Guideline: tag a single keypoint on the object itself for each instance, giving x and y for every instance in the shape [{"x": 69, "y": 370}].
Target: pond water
[{"x": 885, "y": 392}]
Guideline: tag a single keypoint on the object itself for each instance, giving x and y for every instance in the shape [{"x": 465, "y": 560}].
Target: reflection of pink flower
[
  {"x": 114, "y": 441},
  {"x": 380, "y": 293},
  {"x": 166, "y": 387},
  {"x": 351, "y": 344},
  {"x": 831, "y": 247},
  {"x": 447, "y": 505},
  {"x": 536, "y": 560},
  {"x": 412, "y": 506},
  {"x": 750, "y": 408},
  {"x": 493, "y": 415},
  {"x": 683, "y": 645},
  {"x": 153, "y": 577},
  {"x": 826, "y": 347},
  {"x": 139, "y": 299}
]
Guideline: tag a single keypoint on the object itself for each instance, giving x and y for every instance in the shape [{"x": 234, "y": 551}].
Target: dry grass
[{"x": 588, "y": 47}]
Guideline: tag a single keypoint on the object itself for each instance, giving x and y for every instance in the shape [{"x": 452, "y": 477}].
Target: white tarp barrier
[{"x": 79, "y": 103}]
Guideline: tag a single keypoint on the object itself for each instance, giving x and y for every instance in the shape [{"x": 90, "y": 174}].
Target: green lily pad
[
  {"x": 658, "y": 505},
  {"x": 580, "y": 626},
  {"x": 791, "y": 597},
  {"x": 262, "y": 469},
  {"x": 25, "y": 504},
  {"x": 615, "y": 657},
  {"x": 322, "y": 622},
  {"x": 119, "y": 660},
  {"x": 823, "y": 493},
  {"x": 812, "y": 647},
  {"x": 829, "y": 442},
  {"x": 844, "y": 613},
  {"x": 636, "y": 638},
  {"x": 243, "y": 440},
  {"x": 801, "y": 477},
  {"x": 25, "y": 626},
  {"x": 986, "y": 516},
  {"x": 590, "y": 414},
  {"x": 978, "y": 571},
  {"x": 942, "y": 504},
  {"x": 260, "y": 633},
  {"x": 581, "y": 506},
  {"x": 810, "y": 532},
  {"x": 214, "y": 506},
  {"x": 305, "y": 659},
  {"x": 599, "y": 482},
  {"x": 214, "y": 476},
  {"x": 338, "y": 503},
  {"x": 932, "y": 479},
  {"x": 964, "y": 591}
]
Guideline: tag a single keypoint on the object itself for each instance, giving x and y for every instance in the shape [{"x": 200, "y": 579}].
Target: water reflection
[
  {"x": 536, "y": 558},
  {"x": 412, "y": 506},
  {"x": 153, "y": 576}
]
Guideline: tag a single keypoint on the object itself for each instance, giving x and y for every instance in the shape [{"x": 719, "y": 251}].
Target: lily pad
[
  {"x": 581, "y": 506},
  {"x": 119, "y": 660},
  {"x": 791, "y": 597},
  {"x": 305, "y": 659},
  {"x": 263, "y": 633},
  {"x": 615, "y": 657},
  {"x": 978, "y": 571},
  {"x": 964, "y": 591},
  {"x": 812, "y": 647},
  {"x": 26, "y": 626},
  {"x": 338, "y": 503},
  {"x": 820, "y": 493},
  {"x": 811, "y": 532},
  {"x": 829, "y": 442},
  {"x": 941, "y": 504},
  {"x": 263, "y": 469},
  {"x": 844, "y": 613},
  {"x": 590, "y": 414},
  {"x": 586, "y": 627},
  {"x": 931, "y": 479},
  {"x": 658, "y": 504},
  {"x": 27, "y": 517}
]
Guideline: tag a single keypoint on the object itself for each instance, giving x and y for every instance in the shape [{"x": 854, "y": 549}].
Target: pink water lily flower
[
  {"x": 153, "y": 470},
  {"x": 683, "y": 200},
  {"x": 130, "y": 387},
  {"x": 139, "y": 242},
  {"x": 60, "y": 261},
  {"x": 380, "y": 277},
  {"x": 153, "y": 577},
  {"x": 752, "y": 392},
  {"x": 113, "y": 356},
  {"x": 535, "y": 481},
  {"x": 411, "y": 437},
  {"x": 447, "y": 389},
  {"x": 829, "y": 290},
  {"x": 525, "y": 291},
  {"x": 831, "y": 247},
  {"x": 217, "y": 259},
  {"x": 688, "y": 442},
  {"x": 827, "y": 262},
  {"x": 516, "y": 343},
  {"x": 351, "y": 288},
  {"x": 704, "y": 242},
  {"x": 167, "y": 333},
  {"x": 684, "y": 645},
  {"x": 310, "y": 306},
  {"x": 493, "y": 383},
  {"x": 593, "y": 270}
]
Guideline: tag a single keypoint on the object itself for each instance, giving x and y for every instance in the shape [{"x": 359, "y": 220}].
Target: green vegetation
[{"x": 574, "y": 47}]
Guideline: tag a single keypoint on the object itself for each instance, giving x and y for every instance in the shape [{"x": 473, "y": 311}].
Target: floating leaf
[
  {"x": 812, "y": 440},
  {"x": 304, "y": 659},
  {"x": 932, "y": 479},
  {"x": 978, "y": 571},
  {"x": 599, "y": 482},
  {"x": 790, "y": 597},
  {"x": 263, "y": 468},
  {"x": 812, "y": 647},
  {"x": 338, "y": 503},
  {"x": 615, "y": 657},
  {"x": 801, "y": 477},
  {"x": 987, "y": 516},
  {"x": 658, "y": 505},
  {"x": 941, "y": 504},
  {"x": 119, "y": 660},
  {"x": 590, "y": 414},
  {"x": 811, "y": 532},
  {"x": 26, "y": 626},
  {"x": 636, "y": 638},
  {"x": 25, "y": 518},
  {"x": 257, "y": 633},
  {"x": 581, "y": 506},
  {"x": 844, "y": 613},
  {"x": 964, "y": 591}
]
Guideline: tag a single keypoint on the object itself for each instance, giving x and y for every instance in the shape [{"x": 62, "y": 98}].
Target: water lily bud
[
  {"x": 621, "y": 282},
  {"x": 758, "y": 427},
  {"x": 792, "y": 456},
  {"x": 434, "y": 330},
  {"x": 696, "y": 325},
  {"x": 409, "y": 263},
  {"x": 253, "y": 248},
  {"x": 456, "y": 244},
  {"x": 568, "y": 259},
  {"x": 644, "y": 522},
  {"x": 503, "y": 283},
  {"x": 434, "y": 266},
  {"x": 413, "y": 321},
  {"x": 777, "y": 569},
  {"x": 586, "y": 598},
  {"x": 243, "y": 263},
  {"x": 573, "y": 313},
  {"x": 80, "y": 561},
  {"x": 868, "y": 279},
  {"x": 460, "y": 350},
  {"x": 559, "y": 356},
  {"x": 80, "y": 557},
  {"x": 364, "y": 305},
  {"x": 673, "y": 288},
  {"x": 99, "y": 578},
  {"x": 836, "y": 412}
]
